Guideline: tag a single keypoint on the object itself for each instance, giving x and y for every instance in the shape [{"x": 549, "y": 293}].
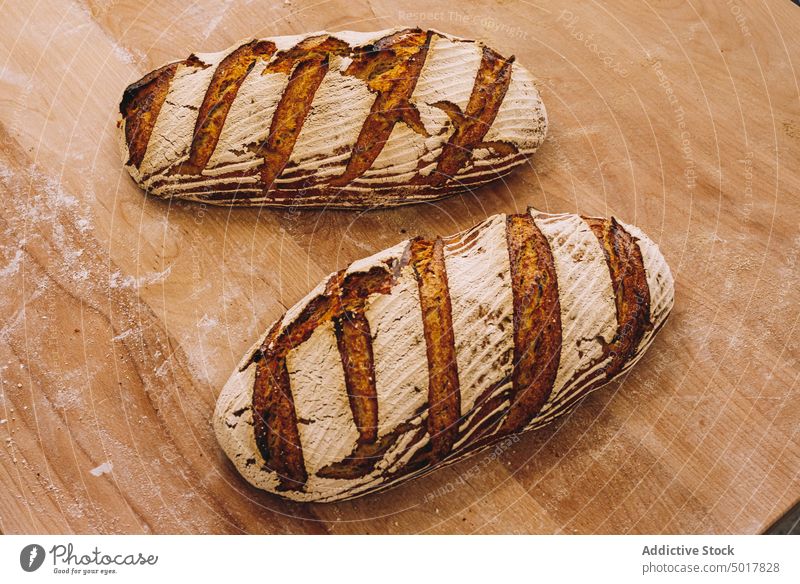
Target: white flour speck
[
  {"x": 5, "y": 172},
  {"x": 81, "y": 275},
  {"x": 13, "y": 266},
  {"x": 104, "y": 468},
  {"x": 123, "y": 54},
  {"x": 161, "y": 370},
  {"x": 213, "y": 22},
  {"x": 117, "y": 280},
  {"x": 16, "y": 78},
  {"x": 124, "y": 335},
  {"x": 207, "y": 322}
]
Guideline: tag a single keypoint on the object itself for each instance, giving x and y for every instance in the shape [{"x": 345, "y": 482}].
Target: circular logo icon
[{"x": 31, "y": 557}]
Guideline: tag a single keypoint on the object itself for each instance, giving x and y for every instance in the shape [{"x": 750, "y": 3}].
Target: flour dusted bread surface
[
  {"x": 434, "y": 349},
  {"x": 339, "y": 119}
]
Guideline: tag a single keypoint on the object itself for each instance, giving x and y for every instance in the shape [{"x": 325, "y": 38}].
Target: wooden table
[{"x": 123, "y": 316}]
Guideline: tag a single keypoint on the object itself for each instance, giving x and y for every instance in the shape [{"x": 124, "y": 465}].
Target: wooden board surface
[{"x": 122, "y": 316}]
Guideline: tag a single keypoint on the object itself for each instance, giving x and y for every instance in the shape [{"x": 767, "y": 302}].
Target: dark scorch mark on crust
[
  {"x": 355, "y": 349},
  {"x": 276, "y": 430},
  {"x": 631, "y": 291}
]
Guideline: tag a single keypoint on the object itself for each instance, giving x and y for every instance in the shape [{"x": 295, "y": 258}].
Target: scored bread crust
[
  {"x": 341, "y": 119},
  {"x": 432, "y": 350}
]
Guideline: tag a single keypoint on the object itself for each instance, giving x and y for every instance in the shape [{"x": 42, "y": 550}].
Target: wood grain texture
[{"x": 122, "y": 316}]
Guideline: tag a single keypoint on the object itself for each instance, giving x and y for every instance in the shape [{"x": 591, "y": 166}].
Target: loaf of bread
[
  {"x": 340, "y": 119},
  {"x": 434, "y": 349}
]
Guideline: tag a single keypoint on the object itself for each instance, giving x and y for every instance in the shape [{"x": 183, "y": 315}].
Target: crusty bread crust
[
  {"x": 435, "y": 349},
  {"x": 331, "y": 120}
]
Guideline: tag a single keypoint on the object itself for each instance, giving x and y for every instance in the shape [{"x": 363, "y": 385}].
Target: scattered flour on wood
[
  {"x": 69, "y": 399},
  {"x": 127, "y": 333},
  {"x": 202, "y": 350},
  {"x": 161, "y": 370},
  {"x": 201, "y": 13},
  {"x": 13, "y": 266},
  {"x": 16, "y": 78},
  {"x": 48, "y": 208},
  {"x": 104, "y": 468},
  {"x": 123, "y": 54},
  {"x": 117, "y": 280},
  {"x": 207, "y": 322},
  {"x": 6, "y": 174}
]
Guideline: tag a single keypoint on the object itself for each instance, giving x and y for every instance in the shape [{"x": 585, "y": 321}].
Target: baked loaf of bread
[
  {"x": 340, "y": 119},
  {"x": 434, "y": 349}
]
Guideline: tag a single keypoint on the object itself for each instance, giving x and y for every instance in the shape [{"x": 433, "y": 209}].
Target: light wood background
[{"x": 122, "y": 317}]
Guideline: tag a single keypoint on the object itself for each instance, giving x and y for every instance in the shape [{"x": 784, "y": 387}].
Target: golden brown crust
[
  {"x": 308, "y": 63},
  {"x": 225, "y": 84},
  {"x": 444, "y": 393},
  {"x": 141, "y": 104},
  {"x": 511, "y": 393},
  {"x": 277, "y": 435},
  {"x": 391, "y": 68},
  {"x": 488, "y": 92},
  {"x": 273, "y": 412},
  {"x": 355, "y": 349},
  {"x": 631, "y": 299},
  {"x": 631, "y": 292},
  {"x": 537, "y": 321}
]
